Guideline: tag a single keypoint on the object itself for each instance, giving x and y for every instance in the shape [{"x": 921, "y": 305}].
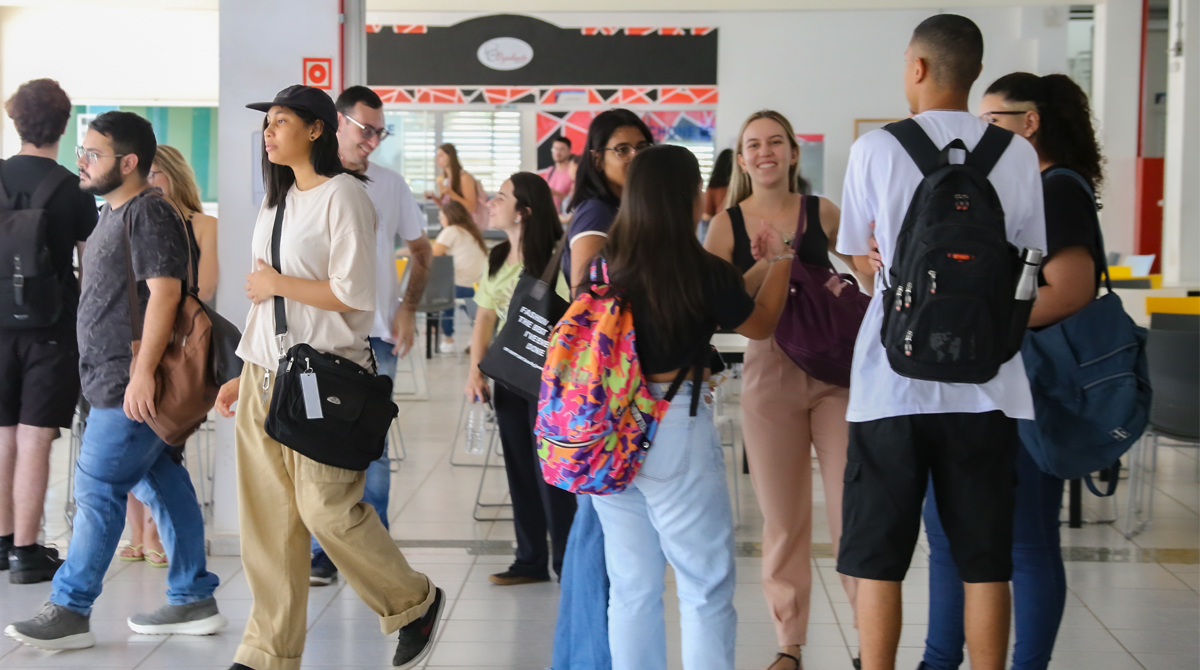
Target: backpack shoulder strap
[
  {"x": 991, "y": 147},
  {"x": 1103, "y": 258},
  {"x": 917, "y": 143},
  {"x": 6, "y": 201},
  {"x": 49, "y": 184}
]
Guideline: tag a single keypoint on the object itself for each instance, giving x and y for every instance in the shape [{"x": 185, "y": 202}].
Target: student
[
  {"x": 613, "y": 139},
  {"x": 718, "y": 185},
  {"x": 524, "y": 210},
  {"x": 1052, "y": 112},
  {"x": 39, "y": 368},
  {"x": 360, "y": 130},
  {"x": 581, "y": 630},
  {"x": 559, "y": 174},
  {"x": 677, "y": 509},
  {"x": 461, "y": 239},
  {"x": 904, "y": 430},
  {"x": 171, "y": 174},
  {"x": 784, "y": 409},
  {"x": 328, "y": 252},
  {"x": 120, "y": 452},
  {"x": 456, "y": 184}
]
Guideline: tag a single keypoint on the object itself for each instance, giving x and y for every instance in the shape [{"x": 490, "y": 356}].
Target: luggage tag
[{"x": 312, "y": 395}]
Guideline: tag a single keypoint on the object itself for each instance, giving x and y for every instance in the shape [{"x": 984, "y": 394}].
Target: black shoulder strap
[
  {"x": 917, "y": 143},
  {"x": 743, "y": 258},
  {"x": 50, "y": 183},
  {"x": 1102, "y": 260},
  {"x": 813, "y": 247},
  {"x": 281, "y": 328},
  {"x": 6, "y": 201},
  {"x": 991, "y": 147}
]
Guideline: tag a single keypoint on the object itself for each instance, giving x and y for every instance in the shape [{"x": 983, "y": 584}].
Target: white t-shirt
[
  {"x": 328, "y": 235},
  {"x": 469, "y": 259},
  {"x": 398, "y": 214},
  {"x": 881, "y": 180}
]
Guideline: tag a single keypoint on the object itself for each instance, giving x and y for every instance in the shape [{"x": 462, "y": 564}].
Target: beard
[{"x": 105, "y": 183}]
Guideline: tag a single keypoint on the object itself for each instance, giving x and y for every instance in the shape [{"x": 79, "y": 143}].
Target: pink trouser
[{"x": 783, "y": 412}]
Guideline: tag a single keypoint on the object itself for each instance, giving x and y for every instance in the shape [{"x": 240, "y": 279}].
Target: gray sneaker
[
  {"x": 54, "y": 628},
  {"x": 198, "y": 618}
]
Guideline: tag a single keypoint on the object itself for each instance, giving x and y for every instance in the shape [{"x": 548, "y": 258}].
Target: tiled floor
[{"x": 1122, "y": 613}]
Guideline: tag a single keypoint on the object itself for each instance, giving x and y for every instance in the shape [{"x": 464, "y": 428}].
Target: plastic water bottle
[
  {"x": 1027, "y": 286},
  {"x": 478, "y": 420}
]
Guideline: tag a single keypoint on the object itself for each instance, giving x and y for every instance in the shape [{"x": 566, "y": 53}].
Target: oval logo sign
[{"x": 505, "y": 53}]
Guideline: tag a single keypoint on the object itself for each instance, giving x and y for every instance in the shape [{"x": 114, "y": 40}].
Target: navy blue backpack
[{"x": 1091, "y": 387}]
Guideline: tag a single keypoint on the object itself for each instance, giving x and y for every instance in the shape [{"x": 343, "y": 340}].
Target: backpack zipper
[
  {"x": 933, "y": 278},
  {"x": 908, "y": 296},
  {"x": 908, "y": 343}
]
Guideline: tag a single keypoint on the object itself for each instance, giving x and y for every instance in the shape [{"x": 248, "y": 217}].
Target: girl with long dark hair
[
  {"x": 1051, "y": 112},
  {"x": 614, "y": 138},
  {"x": 327, "y": 280},
  {"x": 524, "y": 210},
  {"x": 454, "y": 184},
  {"x": 677, "y": 509}
]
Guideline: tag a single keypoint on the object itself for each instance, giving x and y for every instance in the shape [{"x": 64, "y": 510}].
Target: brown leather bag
[{"x": 184, "y": 389}]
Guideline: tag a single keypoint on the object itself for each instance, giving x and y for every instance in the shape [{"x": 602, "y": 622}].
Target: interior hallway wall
[{"x": 109, "y": 55}]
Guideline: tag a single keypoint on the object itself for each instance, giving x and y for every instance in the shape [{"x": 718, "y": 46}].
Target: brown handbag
[{"x": 184, "y": 389}]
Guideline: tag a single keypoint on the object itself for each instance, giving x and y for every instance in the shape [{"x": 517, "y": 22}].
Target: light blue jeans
[
  {"x": 677, "y": 510},
  {"x": 377, "y": 488},
  {"x": 120, "y": 455},
  {"x": 581, "y": 631}
]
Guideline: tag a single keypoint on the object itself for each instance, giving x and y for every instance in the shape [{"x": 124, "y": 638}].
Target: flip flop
[
  {"x": 154, "y": 563},
  {"x": 131, "y": 559}
]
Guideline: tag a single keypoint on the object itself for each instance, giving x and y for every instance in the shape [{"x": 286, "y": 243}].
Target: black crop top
[{"x": 814, "y": 244}]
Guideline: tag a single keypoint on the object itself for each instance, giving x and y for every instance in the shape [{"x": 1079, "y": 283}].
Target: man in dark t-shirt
[
  {"x": 39, "y": 367},
  {"x": 120, "y": 452}
]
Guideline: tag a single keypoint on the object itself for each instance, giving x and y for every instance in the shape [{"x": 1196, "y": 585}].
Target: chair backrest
[
  {"x": 1174, "y": 358},
  {"x": 439, "y": 292}
]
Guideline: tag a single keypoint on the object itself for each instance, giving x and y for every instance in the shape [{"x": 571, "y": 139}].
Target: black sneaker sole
[
  {"x": 440, "y": 603},
  {"x": 31, "y": 576}
]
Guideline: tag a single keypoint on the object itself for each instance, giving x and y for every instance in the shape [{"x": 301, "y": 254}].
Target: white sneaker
[{"x": 447, "y": 348}]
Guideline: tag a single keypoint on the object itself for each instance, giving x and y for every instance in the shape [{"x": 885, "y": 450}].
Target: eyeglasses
[
  {"x": 627, "y": 151},
  {"x": 92, "y": 156},
  {"x": 369, "y": 133},
  {"x": 990, "y": 117}
]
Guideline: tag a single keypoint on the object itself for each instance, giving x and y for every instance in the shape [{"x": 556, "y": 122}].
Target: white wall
[
  {"x": 109, "y": 55},
  {"x": 824, "y": 69},
  {"x": 262, "y": 47},
  {"x": 1181, "y": 183}
]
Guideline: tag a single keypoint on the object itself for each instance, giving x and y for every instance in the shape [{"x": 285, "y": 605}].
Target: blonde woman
[
  {"x": 171, "y": 173},
  {"x": 454, "y": 184},
  {"x": 786, "y": 411}
]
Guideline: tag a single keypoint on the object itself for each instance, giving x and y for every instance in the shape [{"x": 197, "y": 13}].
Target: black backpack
[
  {"x": 950, "y": 313},
  {"x": 31, "y": 291}
]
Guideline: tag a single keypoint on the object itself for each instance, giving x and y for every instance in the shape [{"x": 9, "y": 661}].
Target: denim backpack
[{"x": 1090, "y": 383}]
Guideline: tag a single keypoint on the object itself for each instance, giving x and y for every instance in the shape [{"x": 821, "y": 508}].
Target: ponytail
[{"x": 1065, "y": 136}]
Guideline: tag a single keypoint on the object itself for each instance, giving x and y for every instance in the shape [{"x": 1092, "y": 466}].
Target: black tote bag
[{"x": 518, "y": 352}]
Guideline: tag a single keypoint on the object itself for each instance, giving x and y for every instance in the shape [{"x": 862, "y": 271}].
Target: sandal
[
  {"x": 159, "y": 562},
  {"x": 794, "y": 659},
  {"x": 133, "y": 548}
]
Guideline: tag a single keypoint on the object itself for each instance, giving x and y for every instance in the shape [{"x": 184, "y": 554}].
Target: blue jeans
[
  {"x": 448, "y": 315},
  {"x": 581, "y": 632},
  {"x": 378, "y": 486},
  {"x": 1039, "y": 578},
  {"x": 676, "y": 510},
  {"x": 120, "y": 455}
]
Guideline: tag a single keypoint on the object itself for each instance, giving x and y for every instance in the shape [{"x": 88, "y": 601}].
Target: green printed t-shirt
[{"x": 495, "y": 292}]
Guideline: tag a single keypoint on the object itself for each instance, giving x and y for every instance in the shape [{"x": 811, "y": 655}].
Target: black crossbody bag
[{"x": 326, "y": 407}]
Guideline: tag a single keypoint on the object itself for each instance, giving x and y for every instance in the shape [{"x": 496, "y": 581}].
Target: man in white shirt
[
  {"x": 903, "y": 431},
  {"x": 361, "y": 128}
]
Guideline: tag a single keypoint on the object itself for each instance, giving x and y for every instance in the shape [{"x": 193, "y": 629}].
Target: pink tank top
[{"x": 559, "y": 180}]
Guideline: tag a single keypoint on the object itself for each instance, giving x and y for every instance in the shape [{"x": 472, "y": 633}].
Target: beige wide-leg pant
[
  {"x": 785, "y": 413},
  {"x": 282, "y": 497}
]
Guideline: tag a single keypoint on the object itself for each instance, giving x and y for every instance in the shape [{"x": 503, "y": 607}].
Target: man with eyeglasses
[
  {"x": 361, "y": 129},
  {"x": 139, "y": 236}
]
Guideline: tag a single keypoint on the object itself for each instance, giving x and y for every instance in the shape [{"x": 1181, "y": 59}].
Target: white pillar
[
  {"x": 354, "y": 30},
  {"x": 1115, "y": 85},
  {"x": 263, "y": 47},
  {"x": 1181, "y": 179}
]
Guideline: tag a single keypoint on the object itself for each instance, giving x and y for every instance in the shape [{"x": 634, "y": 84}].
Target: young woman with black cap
[{"x": 327, "y": 257}]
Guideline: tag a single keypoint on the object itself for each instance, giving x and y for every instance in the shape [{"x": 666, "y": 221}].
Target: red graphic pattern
[
  {"x": 595, "y": 95},
  {"x": 641, "y": 31},
  {"x": 410, "y": 29},
  {"x": 574, "y": 125}
]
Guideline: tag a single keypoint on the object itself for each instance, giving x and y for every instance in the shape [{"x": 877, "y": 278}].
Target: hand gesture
[
  {"x": 768, "y": 244},
  {"x": 227, "y": 396},
  {"x": 139, "y": 397},
  {"x": 260, "y": 284}
]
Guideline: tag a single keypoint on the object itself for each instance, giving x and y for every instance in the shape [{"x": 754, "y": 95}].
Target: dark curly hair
[
  {"x": 1065, "y": 136},
  {"x": 40, "y": 109}
]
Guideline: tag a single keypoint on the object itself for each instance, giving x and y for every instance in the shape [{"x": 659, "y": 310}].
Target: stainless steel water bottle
[{"x": 1031, "y": 260}]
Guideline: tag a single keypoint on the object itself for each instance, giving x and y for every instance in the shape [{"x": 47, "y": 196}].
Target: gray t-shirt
[{"x": 160, "y": 249}]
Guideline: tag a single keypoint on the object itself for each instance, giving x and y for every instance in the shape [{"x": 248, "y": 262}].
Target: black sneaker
[
  {"x": 416, "y": 639},
  {"x": 323, "y": 571},
  {"x": 239, "y": 666},
  {"x": 6, "y": 545},
  {"x": 30, "y": 566},
  {"x": 53, "y": 628},
  {"x": 511, "y": 577}
]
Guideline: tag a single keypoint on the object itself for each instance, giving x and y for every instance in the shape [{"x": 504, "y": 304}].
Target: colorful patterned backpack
[{"x": 596, "y": 416}]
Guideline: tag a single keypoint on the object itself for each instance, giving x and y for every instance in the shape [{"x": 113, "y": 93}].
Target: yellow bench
[{"x": 1167, "y": 305}]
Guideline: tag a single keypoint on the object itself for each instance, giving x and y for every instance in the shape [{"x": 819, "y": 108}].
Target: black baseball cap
[{"x": 303, "y": 98}]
